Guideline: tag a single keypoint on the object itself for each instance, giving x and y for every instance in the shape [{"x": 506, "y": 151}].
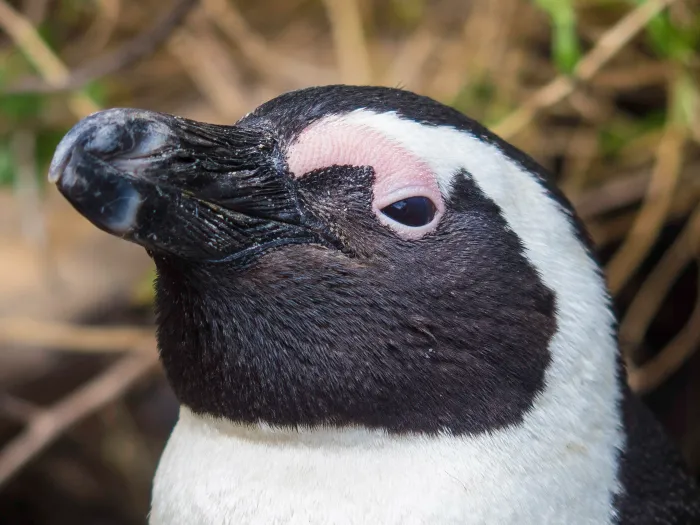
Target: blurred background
[{"x": 604, "y": 93}]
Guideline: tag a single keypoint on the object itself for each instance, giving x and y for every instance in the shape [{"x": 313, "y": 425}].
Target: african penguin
[{"x": 372, "y": 311}]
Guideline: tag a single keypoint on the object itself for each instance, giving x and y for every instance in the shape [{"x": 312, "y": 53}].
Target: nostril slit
[
  {"x": 124, "y": 139},
  {"x": 110, "y": 140}
]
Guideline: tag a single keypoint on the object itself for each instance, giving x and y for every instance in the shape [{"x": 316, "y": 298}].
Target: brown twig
[
  {"x": 678, "y": 351},
  {"x": 217, "y": 77},
  {"x": 627, "y": 190},
  {"x": 351, "y": 51},
  {"x": 657, "y": 285},
  {"x": 22, "y": 32},
  {"x": 129, "y": 53},
  {"x": 651, "y": 216},
  {"x": 634, "y": 76},
  {"x": 46, "y": 426},
  {"x": 103, "y": 26},
  {"x": 412, "y": 57},
  {"x": 35, "y": 10},
  {"x": 18, "y": 409},
  {"x": 49, "y": 66},
  {"x": 612, "y": 230},
  {"x": 266, "y": 60},
  {"x": 619, "y": 192},
  {"x": 580, "y": 154},
  {"x": 72, "y": 338},
  {"x": 607, "y": 46}
]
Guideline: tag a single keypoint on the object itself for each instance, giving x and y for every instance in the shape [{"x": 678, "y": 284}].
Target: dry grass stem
[
  {"x": 645, "y": 74},
  {"x": 669, "y": 360},
  {"x": 620, "y": 135},
  {"x": 651, "y": 216},
  {"x": 129, "y": 53},
  {"x": 582, "y": 150},
  {"x": 351, "y": 49},
  {"x": 101, "y": 30},
  {"x": 73, "y": 338},
  {"x": 49, "y": 66},
  {"x": 655, "y": 288},
  {"x": 613, "y": 195},
  {"x": 411, "y": 58},
  {"x": 217, "y": 77},
  {"x": 606, "y": 47},
  {"x": 35, "y": 10},
  {"x": 18, "y": 409},
  {"x": 266, "y": 60},
  {"x": 47, "y": 425},
  {"x": 606, "y": 231}
]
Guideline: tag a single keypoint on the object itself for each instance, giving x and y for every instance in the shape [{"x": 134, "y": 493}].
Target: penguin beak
[{"x": 179, "y": 187}]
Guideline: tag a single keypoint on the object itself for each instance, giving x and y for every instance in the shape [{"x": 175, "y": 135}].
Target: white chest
[{"x": 216, "y": 473}]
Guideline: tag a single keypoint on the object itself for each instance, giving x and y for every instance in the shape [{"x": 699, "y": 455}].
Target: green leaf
[
  {"x": 143, "y": 293},
  {"x": 620, "y": 132},
  {"x": 47, "y": 33},
  {"x": 96, "y": 91},
  {"x": 566, "y": 49},
  {"x": 409, "y": 12},
  {"x": 686, "y": 100},
  {"x": 672, "y": 41},
  {"x": 474, "y": 97},
  {"x": 7, "y": 165},
  {"x": 20, "y": 106}
]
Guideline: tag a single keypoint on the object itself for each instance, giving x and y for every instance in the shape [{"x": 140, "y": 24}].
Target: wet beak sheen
[{"x": 193, "y": 190}]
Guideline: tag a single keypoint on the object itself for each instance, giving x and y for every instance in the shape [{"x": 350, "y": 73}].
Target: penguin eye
[{"x": 413, "y": 212}]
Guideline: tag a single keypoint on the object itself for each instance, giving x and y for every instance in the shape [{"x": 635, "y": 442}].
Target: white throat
[
  {"x": 215, "y": 473},
  {"x": 559, "y": 465}
]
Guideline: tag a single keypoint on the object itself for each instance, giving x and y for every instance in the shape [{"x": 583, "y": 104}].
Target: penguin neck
[
  {"x": 256, "y": 473},
  {"x": 562, "y": 457},
  {"x": 581, "y": 379},
  {"x": 313, "y": 346}
]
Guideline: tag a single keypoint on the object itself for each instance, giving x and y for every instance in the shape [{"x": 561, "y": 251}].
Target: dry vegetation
[{"x": 605, "y": 93}]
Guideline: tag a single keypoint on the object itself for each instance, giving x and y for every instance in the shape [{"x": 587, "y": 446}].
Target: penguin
[{"x": 373, "y": 310}]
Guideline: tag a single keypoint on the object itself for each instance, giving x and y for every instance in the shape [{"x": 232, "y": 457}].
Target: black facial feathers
[
  {"x": 450, "y": 334},
  {"x": 331, "y": 317},
  {"x": 286, "y": 299},
  {"x": 294, "y": 111}
]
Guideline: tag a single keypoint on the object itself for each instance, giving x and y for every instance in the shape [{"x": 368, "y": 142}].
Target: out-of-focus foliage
[{"x": 566, "y": 49}]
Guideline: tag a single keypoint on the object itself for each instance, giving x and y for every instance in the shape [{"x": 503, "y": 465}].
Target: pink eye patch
[{"x": 404, "y": 184}]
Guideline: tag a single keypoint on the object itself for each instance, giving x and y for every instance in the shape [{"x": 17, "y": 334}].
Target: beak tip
[
  {"x": 105, "y": 134},
  {"x": 111, "y": 202},
  {"x": 62, "y": 155},
  {"x": 59, "y": 162}
]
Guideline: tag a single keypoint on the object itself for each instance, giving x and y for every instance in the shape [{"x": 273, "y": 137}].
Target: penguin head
[{"x": 350, "y": 256}]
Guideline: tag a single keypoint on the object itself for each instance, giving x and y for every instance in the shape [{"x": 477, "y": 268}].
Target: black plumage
[{"x": 282, "y": 300}]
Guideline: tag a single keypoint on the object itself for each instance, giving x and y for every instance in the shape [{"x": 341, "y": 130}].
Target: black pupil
[{"x": 414, "y": 211}]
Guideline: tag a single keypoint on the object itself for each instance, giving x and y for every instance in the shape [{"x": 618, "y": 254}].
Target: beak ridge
[{"x": 173, "y": 185}]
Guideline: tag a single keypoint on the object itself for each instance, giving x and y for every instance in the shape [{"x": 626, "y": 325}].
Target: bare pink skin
[{"x": 399, "y": 174}]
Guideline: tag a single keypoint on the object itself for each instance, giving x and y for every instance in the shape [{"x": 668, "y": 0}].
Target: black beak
[{"x": 193, "y": 190}]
